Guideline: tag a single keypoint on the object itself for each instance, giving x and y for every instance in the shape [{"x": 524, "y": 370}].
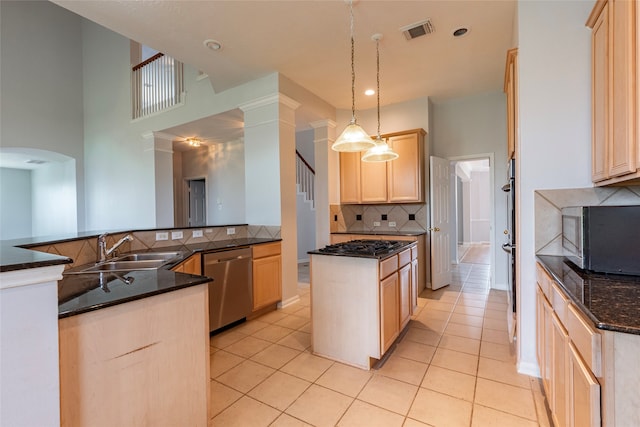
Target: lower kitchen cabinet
[
  {"x": 584, "y": 392},
  {"x": 144, "y": 362},
  {"x": 404, "y": 284},
  {"x": 559, "y": 383},
  {"x": 389, "y": 309},
  {"x": 571, "y": 387},
  {"x": 267, "y": 274},
  {"x": 191, "y": 265}
]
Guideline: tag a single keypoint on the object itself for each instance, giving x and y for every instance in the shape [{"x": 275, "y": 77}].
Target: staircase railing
[
  {"x": 156, "y": 84},
  {"x": 305, "y": 178}
]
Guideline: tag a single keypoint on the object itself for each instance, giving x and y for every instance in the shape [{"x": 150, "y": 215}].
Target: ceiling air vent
[{"x": 418, "y": 29}]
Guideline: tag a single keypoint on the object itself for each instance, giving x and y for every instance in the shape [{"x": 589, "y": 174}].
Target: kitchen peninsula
[
  {"x": 363, "y": 293},
  {"x": 118, "y": 332}
]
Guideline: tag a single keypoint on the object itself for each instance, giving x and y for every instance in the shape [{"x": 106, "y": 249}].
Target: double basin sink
[{"x": 129, "y": 262}]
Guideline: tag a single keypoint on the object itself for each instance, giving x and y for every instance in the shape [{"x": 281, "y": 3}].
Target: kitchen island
[{"x": 361, "y": 301}]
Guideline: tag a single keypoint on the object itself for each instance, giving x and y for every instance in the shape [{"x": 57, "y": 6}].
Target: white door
[
  {"x": 197, "y": 203},
  {"x": 440, "y": 197}
]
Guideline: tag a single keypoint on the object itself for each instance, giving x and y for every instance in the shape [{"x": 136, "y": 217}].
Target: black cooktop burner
[{"x": 362, "y": 247}]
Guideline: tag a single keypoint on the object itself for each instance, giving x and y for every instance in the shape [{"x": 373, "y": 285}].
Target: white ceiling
[{"x": 308, "y": 42}]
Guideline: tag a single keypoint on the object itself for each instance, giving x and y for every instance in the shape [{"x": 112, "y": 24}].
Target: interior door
[
  {"x": 440, "y": 195},
  {"x": 197, "y": 203}
]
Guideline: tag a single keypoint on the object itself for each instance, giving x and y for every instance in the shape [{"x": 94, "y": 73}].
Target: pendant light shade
[
  {"x": 381, "y": 152},
  {"x": 353, "y": 138}
]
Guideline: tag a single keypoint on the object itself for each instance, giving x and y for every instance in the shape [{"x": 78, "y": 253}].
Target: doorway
[
  {"x": 473, "y": 211},
  {"x": 197, "y": 193}
]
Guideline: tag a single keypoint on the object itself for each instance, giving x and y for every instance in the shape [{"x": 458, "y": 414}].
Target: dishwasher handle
[{"x": 218, "y": 260}]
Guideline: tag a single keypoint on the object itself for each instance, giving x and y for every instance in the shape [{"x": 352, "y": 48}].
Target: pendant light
[
  {"x": 353, "y": 138},
  {"x": 381, "y": 152}
]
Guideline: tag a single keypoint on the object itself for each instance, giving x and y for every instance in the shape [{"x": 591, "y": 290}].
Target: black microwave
[{"x": 602, "y": 239}]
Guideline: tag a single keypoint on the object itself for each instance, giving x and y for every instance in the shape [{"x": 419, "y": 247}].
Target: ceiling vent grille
[{"x": 418, "y": 29}]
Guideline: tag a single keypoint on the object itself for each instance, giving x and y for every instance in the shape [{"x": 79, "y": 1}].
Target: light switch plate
[
  {"x": 197, "y": 233},
  {"x": 376, "y": 223},
  {"x": 176, "y": 235},
  {"x": 231, "y": 230},
  {"x": 162, "y": 236}
]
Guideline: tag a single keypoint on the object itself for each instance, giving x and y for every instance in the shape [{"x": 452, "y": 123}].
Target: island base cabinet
[
  {"x": 389, "y": 311},
  {"x": 144, "y": 362}
]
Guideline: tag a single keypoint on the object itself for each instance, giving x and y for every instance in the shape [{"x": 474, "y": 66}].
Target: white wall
[
  {"x": 53, "y": 198},
  {"x": 480, "y": 208},
  {"x": 476, "y": 125},
  {"x": 304, "y": 145},
  {"x": 554, "y": 150},
  {"x": 226, "y": 184},
  {"x": 41, "y": 83},
  {"x": 15, "y": 203}
]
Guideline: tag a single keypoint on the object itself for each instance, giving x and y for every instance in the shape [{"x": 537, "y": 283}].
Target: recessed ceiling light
[
  {"x": 369, "y": 92},
  {"x": 212, "y": 44},
  {"x": 460, "y": 31}
]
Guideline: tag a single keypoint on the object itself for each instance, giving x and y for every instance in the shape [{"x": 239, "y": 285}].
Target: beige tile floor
[{"x": 454, "y": 366}]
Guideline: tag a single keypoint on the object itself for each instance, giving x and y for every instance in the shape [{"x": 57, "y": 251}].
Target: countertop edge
[{"x": 597, "y": 323}]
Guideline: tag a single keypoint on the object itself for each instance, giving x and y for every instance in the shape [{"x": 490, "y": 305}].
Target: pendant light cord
[
  {"x": 378, "y": 80},
  {"x": 353, "y": 69}
]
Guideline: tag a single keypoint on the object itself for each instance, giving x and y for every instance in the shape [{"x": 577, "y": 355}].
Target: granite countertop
[
  {"x": 87, "y": 292},
  {"x": 79, "y": 293},
  {"x": 403, "y": 245},
  {"x": 610, "y": 301},
  {"x": 383, "y": 233}
]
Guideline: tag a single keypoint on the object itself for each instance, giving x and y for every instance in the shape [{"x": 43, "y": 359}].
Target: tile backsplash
[
  {"x": 361, "y": 218},
  {"x": 84, "y": 250},
  {"x": 548, "y": 215}
]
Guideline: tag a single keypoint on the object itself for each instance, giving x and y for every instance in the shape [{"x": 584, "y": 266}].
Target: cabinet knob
[{"x": 506, "y": 231}]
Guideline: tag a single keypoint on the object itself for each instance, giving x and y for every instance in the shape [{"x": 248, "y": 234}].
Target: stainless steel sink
[
  {"x": 150, "y": 256},
  {"x": 129, "y": 262},
  {"x": 124, "y": 266}
]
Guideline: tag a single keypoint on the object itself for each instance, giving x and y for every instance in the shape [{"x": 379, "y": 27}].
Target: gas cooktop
[{"x": 362, "y": 247}]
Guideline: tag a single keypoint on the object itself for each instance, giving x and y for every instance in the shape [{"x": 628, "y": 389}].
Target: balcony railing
[
  {"x": 156, "y": 84},
  {"x": 305, "y": 178}
]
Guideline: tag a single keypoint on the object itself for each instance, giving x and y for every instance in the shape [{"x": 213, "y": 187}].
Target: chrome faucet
[{"x": 103, "y": 252}]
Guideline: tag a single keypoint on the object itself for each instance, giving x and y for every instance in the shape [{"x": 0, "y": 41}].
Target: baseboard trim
[
  {"x": 530, "y": 369},
  {"x": 288, "y": 302}
]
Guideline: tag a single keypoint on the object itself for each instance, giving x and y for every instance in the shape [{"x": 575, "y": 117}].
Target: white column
[
  {"x": 29, "y": 367},
  {"x": 161, "y": 145},
  {"x": 270, "y": 177},
  {"x": 327, "y": 183}
]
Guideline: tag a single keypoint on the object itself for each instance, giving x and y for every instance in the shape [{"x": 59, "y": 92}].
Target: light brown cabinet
[
  {"x": 144, "y": 362},
  {"x": 267, "y": 274},
  {"x": 615, "y": 139},
  {"x": 389, "y": 317},
  {"x": 568, "y": 378},
  {"x": 511, "y": 91},
  {"x": 191, "y": 265},
  {"x": 397, "y": 181}
]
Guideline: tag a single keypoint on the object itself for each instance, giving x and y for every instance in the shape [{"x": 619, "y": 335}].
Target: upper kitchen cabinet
[
  {"x": 397, "y": 181},
  {"x": 615, "y": 135},
  {"x": 511, "y": 90}
]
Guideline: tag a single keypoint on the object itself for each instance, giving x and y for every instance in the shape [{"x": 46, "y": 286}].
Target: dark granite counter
[
  {"x": 13, "y": 258},
  {"x": 403, "y": 245},
  {"x": 611, "y": 302},
  {"x": 383, "y": 233},
  {"x": 80, "y": 293},
  {"x": 87, "y": 292}
]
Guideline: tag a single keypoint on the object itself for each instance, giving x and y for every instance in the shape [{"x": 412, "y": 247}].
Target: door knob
[{"x": 434, "y": 229}]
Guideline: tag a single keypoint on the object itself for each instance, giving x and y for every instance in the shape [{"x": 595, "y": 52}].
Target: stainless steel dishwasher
[{"x": 230, "y": 292}]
